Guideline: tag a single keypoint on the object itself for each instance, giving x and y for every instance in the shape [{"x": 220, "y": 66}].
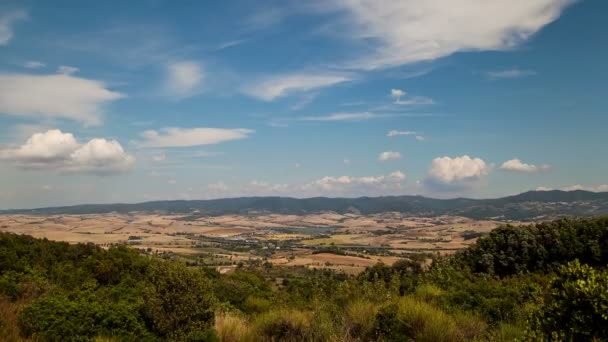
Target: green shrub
[
  {"x": 59, "y": 318},
  {"x": 577, "y": 307},
  {"x": 283, "y": 325},
  {"x": 178, "y": 301},
  {"x": 256, "y": 305}
]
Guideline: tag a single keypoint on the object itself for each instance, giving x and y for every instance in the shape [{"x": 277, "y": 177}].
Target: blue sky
[{"x": 131, "y": 101}]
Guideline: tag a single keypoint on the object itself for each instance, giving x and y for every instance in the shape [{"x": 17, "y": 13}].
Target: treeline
[
  {"x": 539, "y": 282},
  {"x": 539, "y": 247}
]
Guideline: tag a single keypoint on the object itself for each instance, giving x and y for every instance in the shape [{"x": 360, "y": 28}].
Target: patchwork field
[{"x": 347, "y": 242}]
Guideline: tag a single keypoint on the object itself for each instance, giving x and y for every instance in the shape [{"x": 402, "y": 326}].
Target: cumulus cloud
[
  {"x": 389, "y": 155},
  {"x": 54, "y": 96},
  {"x": 183, "y": 78},
  {"x": 390, "y": 184},
  {"x": 273, "y": 87},
  {"x": 509, "y": 74},
  {"x": 456, "y": 172},
  {"x": 7, "y": 20},
  {"x": 409, "y": 31},
  {"x": 397, "y": 93},
  {"x": 517, "y": 165},
  {"x": 348, "y": 185},
  {"x": 33, "y": 65},
  {"x": 57, "y": 151},
  {"x": 183, "y": 137}
]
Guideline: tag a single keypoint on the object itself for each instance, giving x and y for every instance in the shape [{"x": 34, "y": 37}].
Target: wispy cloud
[
  {"x": 596, "y": 188},
  {"x": 183, "y": 79},
  {"x": 33, "y": 65},
  {"x": 345, "y": 117},
  {"x": 184, "y": 137},
  {"x": 276, "y": 86},
  {"x": 410, "y": 31},
  {"x": 401, "y": 98},
  {"x": 7, "y": 20},
  {"x": 509, "y": 74},
  {"x": 67, "y": 70},
  {"x": 230, "y": 44},
  {"x": 396, "y": 133}
]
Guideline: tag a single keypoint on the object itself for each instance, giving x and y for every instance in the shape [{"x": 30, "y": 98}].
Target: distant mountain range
[{"x": 532, "y": 205}]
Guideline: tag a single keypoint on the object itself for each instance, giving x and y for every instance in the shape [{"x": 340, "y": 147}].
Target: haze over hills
[{"x": 525, "y": 206}]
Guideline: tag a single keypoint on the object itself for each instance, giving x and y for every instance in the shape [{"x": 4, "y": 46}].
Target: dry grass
[
  {"x": 9, "y": 314},
  {"x": 232, "y": 328}
]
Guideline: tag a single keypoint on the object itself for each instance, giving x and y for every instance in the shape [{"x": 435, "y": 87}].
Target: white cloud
[
  {"x": 57, "y": 151},
  {"x": 343, "y": 117},
  {"x": 271, "y": 88},
  {"x": 509, "y": 74},
  {"x": 395, "y": 133},
  {"x": 218, "y": 187},
  {"x": 397, "y": 93},
  {"x": 346, "y": 161},
  {"x": 54, "y": 96},
  {"x": 457, "y": 171},
  {"x": 517, "y": 165},
  {"x": 33, "y": 65},
  {"x": 159, "y": 157},
  {"x": 391, "y": 184},
  {"x": 67, "y": 70},
  {"x": 415, "y": 101},
  {"x": 172, "y": 181},
  {"x": 409, "y": 31},
  {"x": 183, "y": 78},
  {"x": 348, "y": 185},
  {"x": 389, "y": 155},
  {"x": 183, "y": 137},
  {"x": 597, "y": 188},
  {"x": 7, "y": 20}
]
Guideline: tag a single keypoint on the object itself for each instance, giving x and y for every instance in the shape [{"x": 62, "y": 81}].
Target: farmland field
[{"x": 347, "y": 242}]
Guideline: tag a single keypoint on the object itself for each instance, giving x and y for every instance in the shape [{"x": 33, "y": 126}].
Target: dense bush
[
  {"x": 178, "y": 302},
  {"x": 511, "y": 282},
  {"x": 577, "y": 306},
  {"x": 540, "y": 247},
  {"x": 59, "y": 318}
]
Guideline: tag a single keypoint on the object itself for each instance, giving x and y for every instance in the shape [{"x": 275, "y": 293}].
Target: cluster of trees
[{"x": 538, "y": 282}]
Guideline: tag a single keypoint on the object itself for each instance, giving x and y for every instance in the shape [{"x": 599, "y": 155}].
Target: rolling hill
[{"x": 526, "y": 206}]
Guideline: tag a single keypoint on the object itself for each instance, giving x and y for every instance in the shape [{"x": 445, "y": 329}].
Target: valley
[{"x": 343, "y": 242}]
